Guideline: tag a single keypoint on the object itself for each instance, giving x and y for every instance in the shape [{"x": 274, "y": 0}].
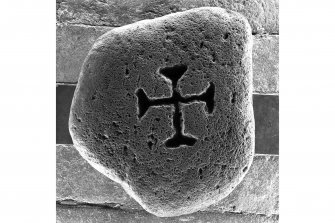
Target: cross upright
[{"x": 174, "y": 74}]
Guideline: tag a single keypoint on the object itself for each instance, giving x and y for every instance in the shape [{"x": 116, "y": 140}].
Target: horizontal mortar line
[
  {"x": 86, "y": 25},
  {"x": 263, "y": 154},
  {"x": 238, "y": 213},
  {"x": 74, "y": 203},
  {"x": 108, "y": 26},
  {"x": 267, "y": 94},
  {"x": 66, "y": 83},
  {"x": 117, "y": 206},
  {"x": 75, "y": 84},
  {"x": 260, "y": 35}
]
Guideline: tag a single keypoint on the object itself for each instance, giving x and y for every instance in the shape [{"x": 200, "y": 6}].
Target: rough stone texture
[
  {"x": 73, "y": 44},
  {"x": 265, "y": 60},
  {"x": 129, "y": 118},
  {"x": 75, "y": 41},
  {"x": 259, "y": 190},
  {"x": 77, "y": 180},
  {"x": 68, "y": 214},
  {"x": 263, "y": 15}
]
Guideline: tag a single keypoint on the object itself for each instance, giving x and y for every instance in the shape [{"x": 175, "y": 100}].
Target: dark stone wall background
[{"x": 84, "y": 194}]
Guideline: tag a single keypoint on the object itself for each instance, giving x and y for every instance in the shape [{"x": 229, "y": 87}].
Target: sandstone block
[
  {"x": 78, "y": 181},
  {"x": 67, "y": 214},
  {"x": 265, "y": 58},
  {"x": 164, "y": 107},
  {"x": 263, "y": 15},
  {"x": 73, "y": 43},
  {"x": 259, "y": 191}
]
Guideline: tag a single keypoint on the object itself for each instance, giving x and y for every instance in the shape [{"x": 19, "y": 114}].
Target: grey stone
[
  {"x": 259, "y": 190},
  {"x": 263, "y": 15},
  {"x": 73, "y": 44},
  {"x": 64, "y": 95},
  {"x": 128, "y": 111},
  {"x": 77, "y": 180},
  {"x": 266, "y": 110},
  {"x": 75, "y": 41},
  {"x": 265, "y": 60},
  {"x": 68, "y": 214}
]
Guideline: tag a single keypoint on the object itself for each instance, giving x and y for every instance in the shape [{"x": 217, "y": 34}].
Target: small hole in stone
[
  {"x": 200, "y": 173},
  {"x": 213, "y": 57},
  {"x": 201, "y": 44},
  {"x": 78, "y": 119},
  {"x": 127, "y": 71},
  {"x": 150, "y": 145},
  {"x": 245, "y": 169},
  {"x": 226, "y": 35},
  {"x": 125, "y": 151},
  {"x": 102, "y": 137},
  {"x": 233, "y": 99}
]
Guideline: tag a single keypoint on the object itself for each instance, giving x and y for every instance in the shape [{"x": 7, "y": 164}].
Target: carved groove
[{"x": 174, "y": 74}]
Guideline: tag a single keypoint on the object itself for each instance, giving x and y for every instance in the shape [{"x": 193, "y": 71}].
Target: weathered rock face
[{"x": 164, "y": 107}]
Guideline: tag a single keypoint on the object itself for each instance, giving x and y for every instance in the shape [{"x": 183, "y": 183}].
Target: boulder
[{"x": 164, "y": 108}]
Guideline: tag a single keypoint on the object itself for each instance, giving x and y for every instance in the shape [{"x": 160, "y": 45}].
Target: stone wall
[{"x": 85, "y": 195}]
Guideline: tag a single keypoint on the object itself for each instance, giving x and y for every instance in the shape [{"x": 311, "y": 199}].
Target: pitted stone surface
[{"x": 213, "y": 48}]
